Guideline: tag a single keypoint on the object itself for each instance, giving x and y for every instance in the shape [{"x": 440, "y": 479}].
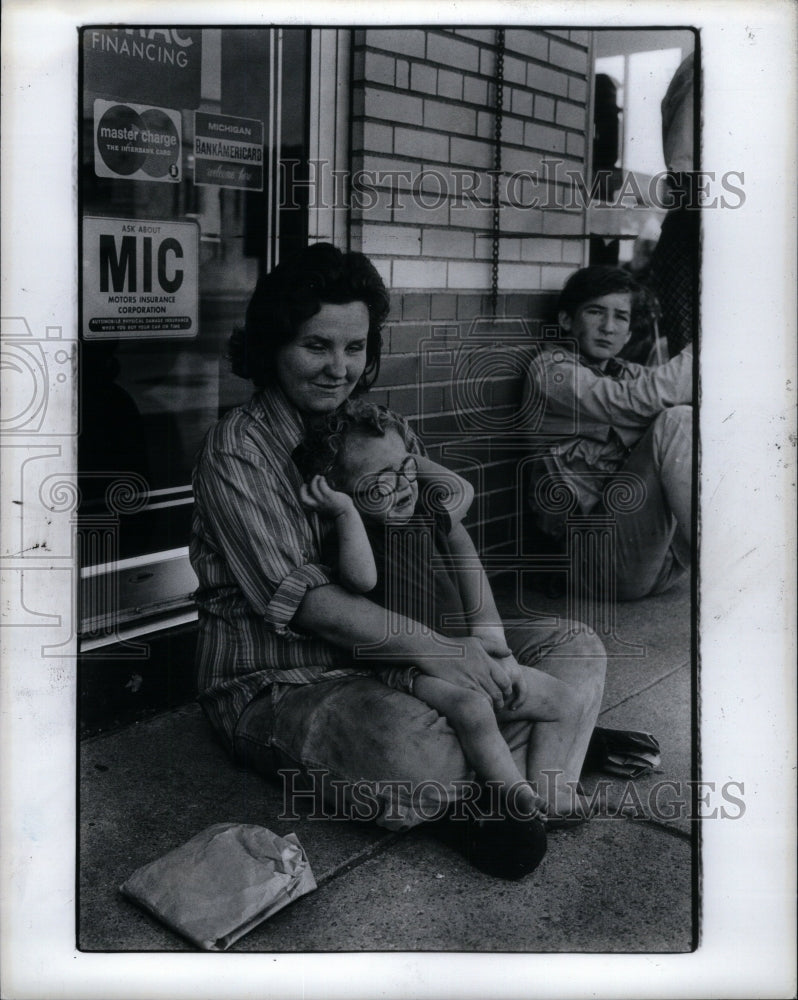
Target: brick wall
[
  {"x": 422, "y": 134},
  {"x": 455, "y": 371},
  {"x": 423, "y": 139}
]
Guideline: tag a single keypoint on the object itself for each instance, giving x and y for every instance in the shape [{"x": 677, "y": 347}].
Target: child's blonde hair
[{"x": 320, "y": 453}]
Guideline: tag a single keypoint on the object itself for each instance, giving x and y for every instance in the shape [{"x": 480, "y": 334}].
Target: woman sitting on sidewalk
[{"x": 277, "y": 672}]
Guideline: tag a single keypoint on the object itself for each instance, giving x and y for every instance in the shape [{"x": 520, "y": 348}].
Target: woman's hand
[
  {"x": 350, "y": 621},
  {"x": 518, "y": 680},
  {"x": 492, "y": 638},
  {"x": 319, "y": 496},
  {"x": 475, "y": 669}
]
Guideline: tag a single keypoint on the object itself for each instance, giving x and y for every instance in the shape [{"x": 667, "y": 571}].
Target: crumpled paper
[
  {"x": 625, "y": 753},
  {"x": 222, "y": 883}
]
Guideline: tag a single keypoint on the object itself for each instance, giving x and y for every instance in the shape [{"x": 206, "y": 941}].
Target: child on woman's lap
[{"x": 405, "y": 553}]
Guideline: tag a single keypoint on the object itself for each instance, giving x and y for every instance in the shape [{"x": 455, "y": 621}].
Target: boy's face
[
  {"x": 380, "y": 475},
  {"x": 601, "y": 326}
]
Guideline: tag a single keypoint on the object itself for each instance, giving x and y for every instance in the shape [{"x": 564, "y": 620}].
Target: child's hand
[{"x": 318, "y": 495}]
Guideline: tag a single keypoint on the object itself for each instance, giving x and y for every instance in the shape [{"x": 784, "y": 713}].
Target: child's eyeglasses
[{"x": 386, "y": 482}]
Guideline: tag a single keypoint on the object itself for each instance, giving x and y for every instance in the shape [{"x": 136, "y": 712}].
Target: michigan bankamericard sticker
[{"x": 228, "y": 151}]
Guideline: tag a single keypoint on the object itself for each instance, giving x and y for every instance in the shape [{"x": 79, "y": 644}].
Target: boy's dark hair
[
  {"x": 594, "y": 282},
  {"x": 320, "y": 451},
  {"x": 292, "y": 293}
]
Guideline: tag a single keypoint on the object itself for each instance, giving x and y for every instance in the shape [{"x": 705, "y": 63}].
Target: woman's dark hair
[
  {"x": 593, "y": 283},
  {"x": 294, "y": 291},
  {"x": 321, "y": 450}
]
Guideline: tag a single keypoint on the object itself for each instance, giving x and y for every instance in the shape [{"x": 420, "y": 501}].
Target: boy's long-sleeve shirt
[{"x": 581, "y": 422}]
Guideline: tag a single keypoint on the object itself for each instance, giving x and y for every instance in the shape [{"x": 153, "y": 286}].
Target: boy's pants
[{"x": 653, "y": 541}]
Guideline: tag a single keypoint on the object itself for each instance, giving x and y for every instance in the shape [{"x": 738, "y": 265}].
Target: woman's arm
[
  {"x": 484, "y": 619},
  {"x": 355, "y": 623},
  {"x": 357, "y": 570},
  {"x": 477, "y": 594}
]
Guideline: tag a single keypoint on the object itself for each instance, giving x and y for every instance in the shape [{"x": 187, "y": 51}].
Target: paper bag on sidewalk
[
  {"x": 623, "y": 752},
  {"x": 222, "y": 883}
]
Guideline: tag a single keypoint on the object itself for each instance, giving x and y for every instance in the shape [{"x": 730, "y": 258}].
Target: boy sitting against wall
[{"x": 612, "y": 437}]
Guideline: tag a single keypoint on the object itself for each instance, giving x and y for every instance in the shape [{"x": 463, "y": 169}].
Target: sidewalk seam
[
  {"x": 648, "y": 687},
  {"x": 672, "y": 831},
  {"x": 358, "y": 859}
]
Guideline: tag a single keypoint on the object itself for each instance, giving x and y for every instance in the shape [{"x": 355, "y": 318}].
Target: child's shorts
[{"x": 399, "y": 678}]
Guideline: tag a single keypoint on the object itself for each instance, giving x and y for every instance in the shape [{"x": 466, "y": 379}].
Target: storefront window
[
  {"x": 183, "y": 204},
  {"x": 631, "y": 72}
]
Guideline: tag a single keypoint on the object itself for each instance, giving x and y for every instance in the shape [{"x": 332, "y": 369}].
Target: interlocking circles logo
[{"x": 137, "y": 142}]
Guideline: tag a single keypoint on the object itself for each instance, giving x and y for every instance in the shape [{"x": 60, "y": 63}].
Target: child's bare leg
[
  {"x": 473, "y": 718},
  {"x": 556, "y": 749}
]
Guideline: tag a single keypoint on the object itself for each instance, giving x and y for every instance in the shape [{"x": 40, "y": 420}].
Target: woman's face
[{"x": 321, "y": 366}]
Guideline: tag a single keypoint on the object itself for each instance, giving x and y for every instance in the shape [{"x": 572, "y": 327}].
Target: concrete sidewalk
[{"x": 616, "y": 884}]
